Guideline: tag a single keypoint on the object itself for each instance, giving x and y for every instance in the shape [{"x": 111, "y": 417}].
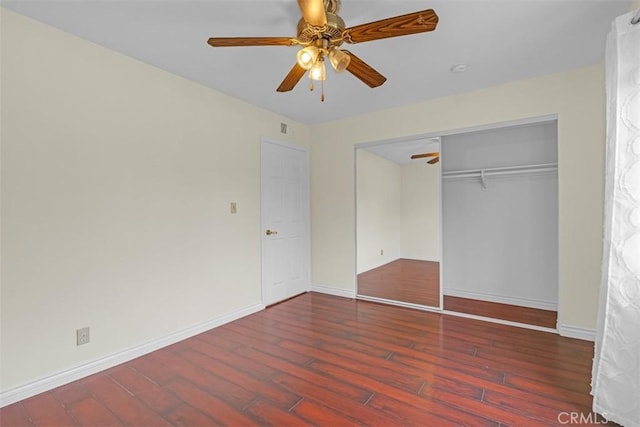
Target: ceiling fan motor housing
[{"x": 335, "y": 26}]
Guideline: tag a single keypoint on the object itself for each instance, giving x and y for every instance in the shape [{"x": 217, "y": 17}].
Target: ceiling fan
[
  {"x": 321, "y": 32},
  {"x": 435, "y": 155}
]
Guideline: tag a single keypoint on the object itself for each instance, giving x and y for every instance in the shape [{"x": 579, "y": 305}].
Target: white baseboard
[
  {"x": 502, "y": 299},
  {"x": 66, "y": 376},
  {"x": 399, "y": 303},
  {"x": 578, "y": 332},
  {"x": 428, "y": 259},
  {"x": 501, "y": 321},
  {"x": 330, "y": 290}
]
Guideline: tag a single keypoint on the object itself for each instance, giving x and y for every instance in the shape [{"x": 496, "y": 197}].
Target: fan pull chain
[
  {"x": 322, "y": 91},
  {"x": 311, "y": 85}
]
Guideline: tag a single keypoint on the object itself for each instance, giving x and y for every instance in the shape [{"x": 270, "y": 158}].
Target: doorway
[{"x": 285, "y": 221}]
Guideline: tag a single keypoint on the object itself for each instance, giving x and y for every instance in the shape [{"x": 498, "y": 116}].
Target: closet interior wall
[{"x": 500, "y": 215}]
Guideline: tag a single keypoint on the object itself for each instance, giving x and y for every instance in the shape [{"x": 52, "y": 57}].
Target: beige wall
[
  {"x": 576, "y": 96},
  {"x": 420, "y": 211},
  {"x": 379, "y": 210},
  {"x": 116, "y": 183},
  {"x": 398, "y": 211}
]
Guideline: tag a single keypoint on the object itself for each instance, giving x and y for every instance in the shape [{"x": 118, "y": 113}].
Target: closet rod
[{"x": 509, "y": 170}]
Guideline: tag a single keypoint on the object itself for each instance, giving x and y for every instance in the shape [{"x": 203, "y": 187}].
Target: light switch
[{"x": 234, "y": 207}]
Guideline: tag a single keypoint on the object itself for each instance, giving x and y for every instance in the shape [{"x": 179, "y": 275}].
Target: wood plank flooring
[
  {"x": 406, "y": 280},
  {"x": 530, "y": 316},
  {"x": 418, "y": 282},
  {"x": 329, "y": 361}
]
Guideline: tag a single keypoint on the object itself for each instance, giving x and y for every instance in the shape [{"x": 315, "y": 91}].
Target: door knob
[{"x": 269, "y": 232}]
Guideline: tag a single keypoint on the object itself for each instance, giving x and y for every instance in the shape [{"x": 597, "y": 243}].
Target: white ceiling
[{"x": 499, "y": 40}]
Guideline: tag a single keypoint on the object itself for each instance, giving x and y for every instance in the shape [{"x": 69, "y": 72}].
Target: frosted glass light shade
[
  {"x": 339, "y": 60},
  {"x": 308, "y": 56},
  {"x": 318, "y": 71}
]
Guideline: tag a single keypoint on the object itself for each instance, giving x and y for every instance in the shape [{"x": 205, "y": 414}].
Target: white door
[{"x": 285, "y": 221}]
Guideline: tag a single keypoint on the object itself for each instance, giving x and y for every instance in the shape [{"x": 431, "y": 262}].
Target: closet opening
[
  {"x": 473, "y": 233},
  {"x": 500, "y": 223}
]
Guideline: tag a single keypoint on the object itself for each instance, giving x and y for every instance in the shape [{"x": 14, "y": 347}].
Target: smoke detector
[{"x": 458, "y": 68}]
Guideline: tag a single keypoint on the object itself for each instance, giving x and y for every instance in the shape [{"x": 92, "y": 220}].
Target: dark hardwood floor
[
  {"x": 418, "y": 282},
  {"x": 514, "y": 313},
  {"x": 329, "y": 361},
  {"x": 406, "y": 280}
]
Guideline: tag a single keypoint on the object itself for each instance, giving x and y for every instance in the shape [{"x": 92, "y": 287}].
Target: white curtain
[{"x": 616, "y": 366}]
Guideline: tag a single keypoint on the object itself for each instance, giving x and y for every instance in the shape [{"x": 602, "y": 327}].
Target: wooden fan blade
[
  {"x": 423, "y": 155},
  {"x": 411, "y": 23},
  {"x": 434, "y": 161},
  {"x": 251, "y": 41},
  {"x": 364, "y": 72},
  {"x": 292, "y": 79},
  {"x": 313, "y": 12}
]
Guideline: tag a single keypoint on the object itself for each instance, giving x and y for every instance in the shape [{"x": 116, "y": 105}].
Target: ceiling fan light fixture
[
  {"x": 320, "y": 33},
  {"x": 308, "y": 56},
  {"x": 339, "y": 60},
  {"x": 318, "y": 71}
]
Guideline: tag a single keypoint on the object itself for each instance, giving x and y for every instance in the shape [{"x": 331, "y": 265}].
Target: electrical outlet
[
  {"x": 381, "y": 251},
  {"x": 234, "y": 207},
  {"x": 82, "y": 336}
]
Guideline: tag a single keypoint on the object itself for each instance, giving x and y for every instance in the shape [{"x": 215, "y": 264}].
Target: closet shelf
[{"x": 509, "y": 170}]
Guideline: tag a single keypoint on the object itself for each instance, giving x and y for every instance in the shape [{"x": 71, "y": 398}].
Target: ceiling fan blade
[
  {"x": 423, "y": 155},
  {"x": 313, "y": 12},
  {"x": 251, "y": 41},
  {"x": 434, "y": 161},
  {"x": 364, "y": 72},
  {"x": 292, "y": 79},
  {"x": 411, "y": 23}
]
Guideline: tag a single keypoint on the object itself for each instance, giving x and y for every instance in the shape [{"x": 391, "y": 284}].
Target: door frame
[{"x": 307, "y": 214}]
